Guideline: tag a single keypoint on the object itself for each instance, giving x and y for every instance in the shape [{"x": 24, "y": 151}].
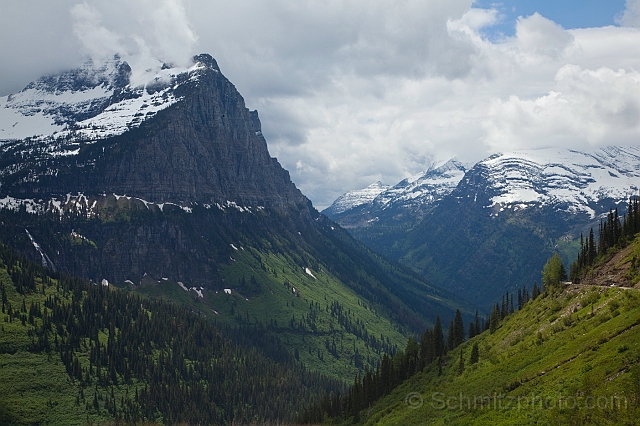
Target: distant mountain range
[
  {"x": 574, "y": 181},
  {"x": 546, "y": 197}
]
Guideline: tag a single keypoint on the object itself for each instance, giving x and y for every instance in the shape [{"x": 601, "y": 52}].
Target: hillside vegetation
[
  {"x": 571, "y": 356},
  {"x": 335, "y": 305},
  {"x": 74, "y": 353}
]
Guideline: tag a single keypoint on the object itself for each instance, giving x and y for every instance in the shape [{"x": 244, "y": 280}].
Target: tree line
[
  {"x": 135, "y": 359},
  {"x": 613, "y": 232}
]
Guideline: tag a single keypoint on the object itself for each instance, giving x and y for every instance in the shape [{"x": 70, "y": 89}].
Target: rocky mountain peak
[
  {"x": 184, "y": 137},
  {"x": 206, "y": 60},
  {"x": 112, "y": 73}
]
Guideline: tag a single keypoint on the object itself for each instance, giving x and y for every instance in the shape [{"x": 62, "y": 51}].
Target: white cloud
[
  {"x": 98, "y": 42},
  {"x": 631, "y": 15},
  {"x": 593, "y": 107},
  {"x": 354, "y": 92},
  {"x": 145, "y": 33},
  {"x": 537, "y": 35},
  {"x": 165, "y": 22}
]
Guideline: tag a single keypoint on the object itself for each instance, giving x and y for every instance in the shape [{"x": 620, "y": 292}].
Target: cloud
[
  {"x": 98, "y": 42},
  {"x": 537, "y": 35},
  {"x": 354, "y": 92},
  {"x": 166, "y": 27},
  {"x": 631, "y": 15},
  {"x": 587, "y": 107},
  {"x": 159, "y": 33}
]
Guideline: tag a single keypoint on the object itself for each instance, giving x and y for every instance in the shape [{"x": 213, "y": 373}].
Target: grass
[
  {"x": 274, "y": 303},
  {"x": 35, "y": 387},
  {"x": 544, "y": 365}
]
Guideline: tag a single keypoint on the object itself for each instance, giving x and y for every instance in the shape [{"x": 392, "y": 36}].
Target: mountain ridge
[
  {"x": 164, "y": 160},
  {"x": 493, "y": 231}
]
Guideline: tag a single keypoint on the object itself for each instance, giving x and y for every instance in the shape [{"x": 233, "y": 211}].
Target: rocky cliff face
[
  {"x": 162, "y": 193},
  {"x": 206, "y": 147},
  {"x": 172, "y": 181}
]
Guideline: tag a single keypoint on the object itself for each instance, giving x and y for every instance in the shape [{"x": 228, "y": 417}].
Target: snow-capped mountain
[
  {"x": 424, "y": 188},
  {"x": 566, "y": 180},
  {"x": 98, "y": 130},
  {"x": 172, "y": 178},
  {"x": 58, "y": 113},
  {"x": 491, "y": 228},
  {"x": 418, "y": 191},
  {"x": 356, "y": 198}
]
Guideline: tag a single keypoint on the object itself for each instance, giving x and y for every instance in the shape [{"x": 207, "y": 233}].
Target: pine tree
[
  {"x": 458, "y": 329},
  {"x": 438, "y": 338},
  {"x": 450, "y": 336},
  {"x": 472, "y": 330},
  {"x": 477, "y": 323},
  {"x": 474, "y": 354},
  {"x": 494, "y": 320}
]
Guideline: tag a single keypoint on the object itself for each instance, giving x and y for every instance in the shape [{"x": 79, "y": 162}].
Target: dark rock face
[
  {"x": 206, "y": 148},
  {"x": 203, "y": 152}
]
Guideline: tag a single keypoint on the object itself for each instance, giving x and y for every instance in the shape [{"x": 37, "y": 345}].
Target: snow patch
[
  {"x": 46, "y": 261},
  {"x": 308, "y": 271}
]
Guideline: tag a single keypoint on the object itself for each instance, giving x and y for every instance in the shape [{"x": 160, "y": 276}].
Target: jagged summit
[
  {"x": 111, "y": 73},
  {"x": 95, "y": 101},
  {"x": 206, "y": 60},
  {"x": 356, "y": 198},
  {"x": 587, "y": 182},
  {"x": 183, "y": 135},
  {"x": 415, "y": 192}
]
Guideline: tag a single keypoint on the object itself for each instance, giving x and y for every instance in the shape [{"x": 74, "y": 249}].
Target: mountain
[
  {"x": 356, "y": 198},
  {"x": 494, "y": 230},
  {"x": 162, "y": 184},
  {"x": 385, "y": 204},
  {"x": 152, "y": 142},
  {"x": 578, "y": 182}
]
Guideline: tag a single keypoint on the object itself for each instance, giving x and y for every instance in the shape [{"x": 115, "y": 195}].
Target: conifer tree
[
  {"x": 438, "y": 338},
  {"x": 458, "y": 329},
  {"x": 472, "y": 330},
  {"x": 450, "y": 336},
  {"x": 477, "y": 323},
  {"x": 474, "y": 354},
  {"x": 494, "y": 320}
]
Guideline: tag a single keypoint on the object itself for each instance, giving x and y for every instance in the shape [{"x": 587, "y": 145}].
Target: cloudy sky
[{"x": 351, "y": 92}]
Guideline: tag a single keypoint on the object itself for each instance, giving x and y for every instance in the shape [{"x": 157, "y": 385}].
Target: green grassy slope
[
  {"x": 34, "y": 386},
  {"x": 570, "y": 357},
  {"x": 331, "y": 328},
  {"x": 73, "y": 353},
  {"x": 334, "y": 304}
]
